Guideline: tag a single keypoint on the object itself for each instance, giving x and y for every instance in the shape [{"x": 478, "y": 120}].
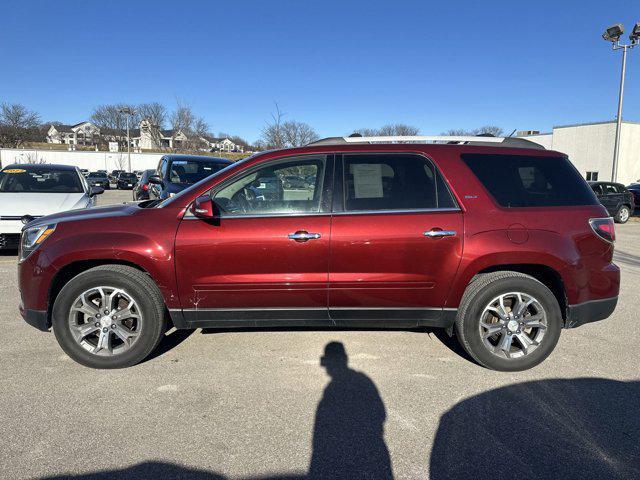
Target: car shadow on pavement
[
  {"x": 627, "y": 259},
  {"x": 585, "y": 428},
  {"x": 347, "y": 440},
  {"x": 169, "y": 341}
]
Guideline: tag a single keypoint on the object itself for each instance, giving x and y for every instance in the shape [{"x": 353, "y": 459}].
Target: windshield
[
  {"x": 192, "y": 171},
  {"x": 96, "y": 175},
  {"x": 128, "y": 176},
  {"x": 39, "y": 180}
]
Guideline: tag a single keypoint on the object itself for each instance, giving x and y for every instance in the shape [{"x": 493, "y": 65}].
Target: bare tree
[
  {"x": 457, "y": 132},
  {"x": 32, "y": 158},
  {"x": 155, "y": 112},
  {"x": 399, "y": 130},
  {"x": 487, "y": 129},
  {"x": 109, "y": 116},
  {"x": 298, "y": 134},
  {"x": 389, "y": 130},
  {"x": 273, "y": 134},
  {"x": 18, "y": 125},
  {"x": 183, "y": 119}
]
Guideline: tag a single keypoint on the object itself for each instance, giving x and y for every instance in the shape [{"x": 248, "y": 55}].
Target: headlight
[{"x": 33, "y": 237}]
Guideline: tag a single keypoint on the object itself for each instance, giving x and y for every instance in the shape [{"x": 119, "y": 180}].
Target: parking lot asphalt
[{"x": 259, "y": 404}]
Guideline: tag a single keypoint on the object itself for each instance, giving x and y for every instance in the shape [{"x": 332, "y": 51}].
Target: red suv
[{"x": 494, "y": 239}]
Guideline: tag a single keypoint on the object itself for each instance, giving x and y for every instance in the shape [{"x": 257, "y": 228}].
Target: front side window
[
  {"x": 40, "y": 180},
  {"x": 291, "y": 186},
  {"x": 393, "y": 182}
]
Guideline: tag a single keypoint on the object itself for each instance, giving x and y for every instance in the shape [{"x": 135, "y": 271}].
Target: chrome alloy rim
[
  {"x": 513, "y": 325},
  {"x": 105, "y": 321},
  {"x": 624, "y": 215}
]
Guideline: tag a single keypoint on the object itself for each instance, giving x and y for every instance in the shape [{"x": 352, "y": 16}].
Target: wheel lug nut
[
  {"x": 97, "y": 324},
  {"x": 97, "y": 315},
  {"x": 106, "y": 312},
  {"x": 113, "y": 325},
  {"x": 105, "y": 329}
]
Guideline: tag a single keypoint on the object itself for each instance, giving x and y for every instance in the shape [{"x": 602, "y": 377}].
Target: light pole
[
  {"x": 613, "y": 34},
  {"x": 128, "y": 112}
]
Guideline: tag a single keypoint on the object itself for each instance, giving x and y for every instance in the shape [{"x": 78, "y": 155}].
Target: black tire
[
  {"x": 139, "y": 286},
  {"x": 623, "y": 214},
  {"x": 479, "y": 293}
]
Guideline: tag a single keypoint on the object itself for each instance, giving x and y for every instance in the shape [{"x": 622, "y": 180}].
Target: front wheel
[
  {"x": 508, "y": 321},
  {"x": 623, "y": 214},
  {"x": 110, "y": 316}
]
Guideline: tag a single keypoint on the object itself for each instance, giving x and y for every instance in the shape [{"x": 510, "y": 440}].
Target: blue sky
[{"x": 335, "y": 65}]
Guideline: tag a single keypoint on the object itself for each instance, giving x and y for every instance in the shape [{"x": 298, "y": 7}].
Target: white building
[
  {"x": 590, "y": 148},
  {"x": 83, "y": 133},
  {"x": 151, "y": 137},
  {"x": 222, "y": 144}
]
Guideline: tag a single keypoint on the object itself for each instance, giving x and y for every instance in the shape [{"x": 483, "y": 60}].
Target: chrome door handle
[
  {"x": 302, "y": 236},
  {"x": 440, "y": 233}
]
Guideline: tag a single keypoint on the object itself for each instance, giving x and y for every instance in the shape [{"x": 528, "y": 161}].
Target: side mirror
[
  {"x": 95, "y": 190},
  {"x": 202, "y": 207},
  {"x": 155, "y": 179}
]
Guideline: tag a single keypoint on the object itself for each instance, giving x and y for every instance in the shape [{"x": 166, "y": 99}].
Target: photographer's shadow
[{"x": 348, "y": 433}]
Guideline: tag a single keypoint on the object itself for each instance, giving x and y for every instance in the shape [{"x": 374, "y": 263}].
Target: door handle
[
  {"x": 303, "y": 236},
  {"x": 440, "y": 233}
]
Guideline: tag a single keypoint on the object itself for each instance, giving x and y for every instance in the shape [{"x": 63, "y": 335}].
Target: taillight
[
  {"x": 145, "y": 186},
  {"x": 604, "y": 228}
]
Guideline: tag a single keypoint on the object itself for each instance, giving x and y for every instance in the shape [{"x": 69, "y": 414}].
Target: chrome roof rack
[{"x": 513, "y": 142}]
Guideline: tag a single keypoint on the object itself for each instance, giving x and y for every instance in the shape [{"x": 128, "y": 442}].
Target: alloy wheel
[
  {"x": 105, "y": 320},
  {"x": 513, "y": 325}
]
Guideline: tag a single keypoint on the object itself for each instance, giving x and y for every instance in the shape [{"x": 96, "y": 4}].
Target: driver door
[{"x": 264, "y": 260}]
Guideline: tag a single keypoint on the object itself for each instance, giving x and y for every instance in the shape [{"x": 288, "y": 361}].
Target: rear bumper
[{"x": 590, "y": 311}]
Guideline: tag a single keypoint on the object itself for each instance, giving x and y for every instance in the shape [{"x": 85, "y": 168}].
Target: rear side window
[
  {"x": 530, "y": 181},
  {"x": 393, "y": 182}
]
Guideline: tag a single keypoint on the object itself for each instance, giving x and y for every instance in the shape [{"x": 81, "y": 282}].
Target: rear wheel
[
  {"x": 623, "y": 214},
  {"x": 110, "y": 316},
  {"x": 508, "y": 321}
]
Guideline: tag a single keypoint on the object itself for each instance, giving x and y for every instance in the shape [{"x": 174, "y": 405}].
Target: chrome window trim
[
  {"x": 273, "y": 215},
  {"x": 389, "y": 212},
  {"x": 335, "y": 214}
]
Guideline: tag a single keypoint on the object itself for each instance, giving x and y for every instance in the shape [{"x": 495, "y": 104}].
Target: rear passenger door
[
  {"x": 612, "y": 198},
  {"x": 396, "y": 240}
]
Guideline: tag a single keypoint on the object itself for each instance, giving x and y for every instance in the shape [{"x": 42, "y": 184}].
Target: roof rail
[{"x": 513, "y": 142}]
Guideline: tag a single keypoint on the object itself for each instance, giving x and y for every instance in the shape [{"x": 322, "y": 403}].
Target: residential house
[
  {"x": 83, "y": 133},
  {"x": 221, "y": 144},
  {"x": 151, "y": 137}
]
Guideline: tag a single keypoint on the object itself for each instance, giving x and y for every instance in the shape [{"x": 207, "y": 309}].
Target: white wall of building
[
  {"x": 89, "y": 160},
  {"x": 629, "y": 162},
  {"x": 590, "y": 148}
]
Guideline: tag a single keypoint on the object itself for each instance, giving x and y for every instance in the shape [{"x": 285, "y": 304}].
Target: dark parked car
[
  {"x": 295, "y": 182},
  {"x": 177, "y": 172},
  {"x": 113, "y": 176},
  {"x": 99, "y": 179},
  {"x": 634, "y": 188},
  {"x": 126, "y": 181},
  {"x": 615, "y": 198},
  {"x": 141, "y": 189},
  {"x": 501, "y": 244}
]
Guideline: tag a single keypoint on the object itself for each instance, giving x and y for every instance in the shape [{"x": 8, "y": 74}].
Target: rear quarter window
[{"x": 530, "y": 181}]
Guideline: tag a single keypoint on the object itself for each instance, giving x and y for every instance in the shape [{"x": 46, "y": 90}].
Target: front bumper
[
  {"x": 590, "y": 311},
  {"x": 36, "y": 318}
]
